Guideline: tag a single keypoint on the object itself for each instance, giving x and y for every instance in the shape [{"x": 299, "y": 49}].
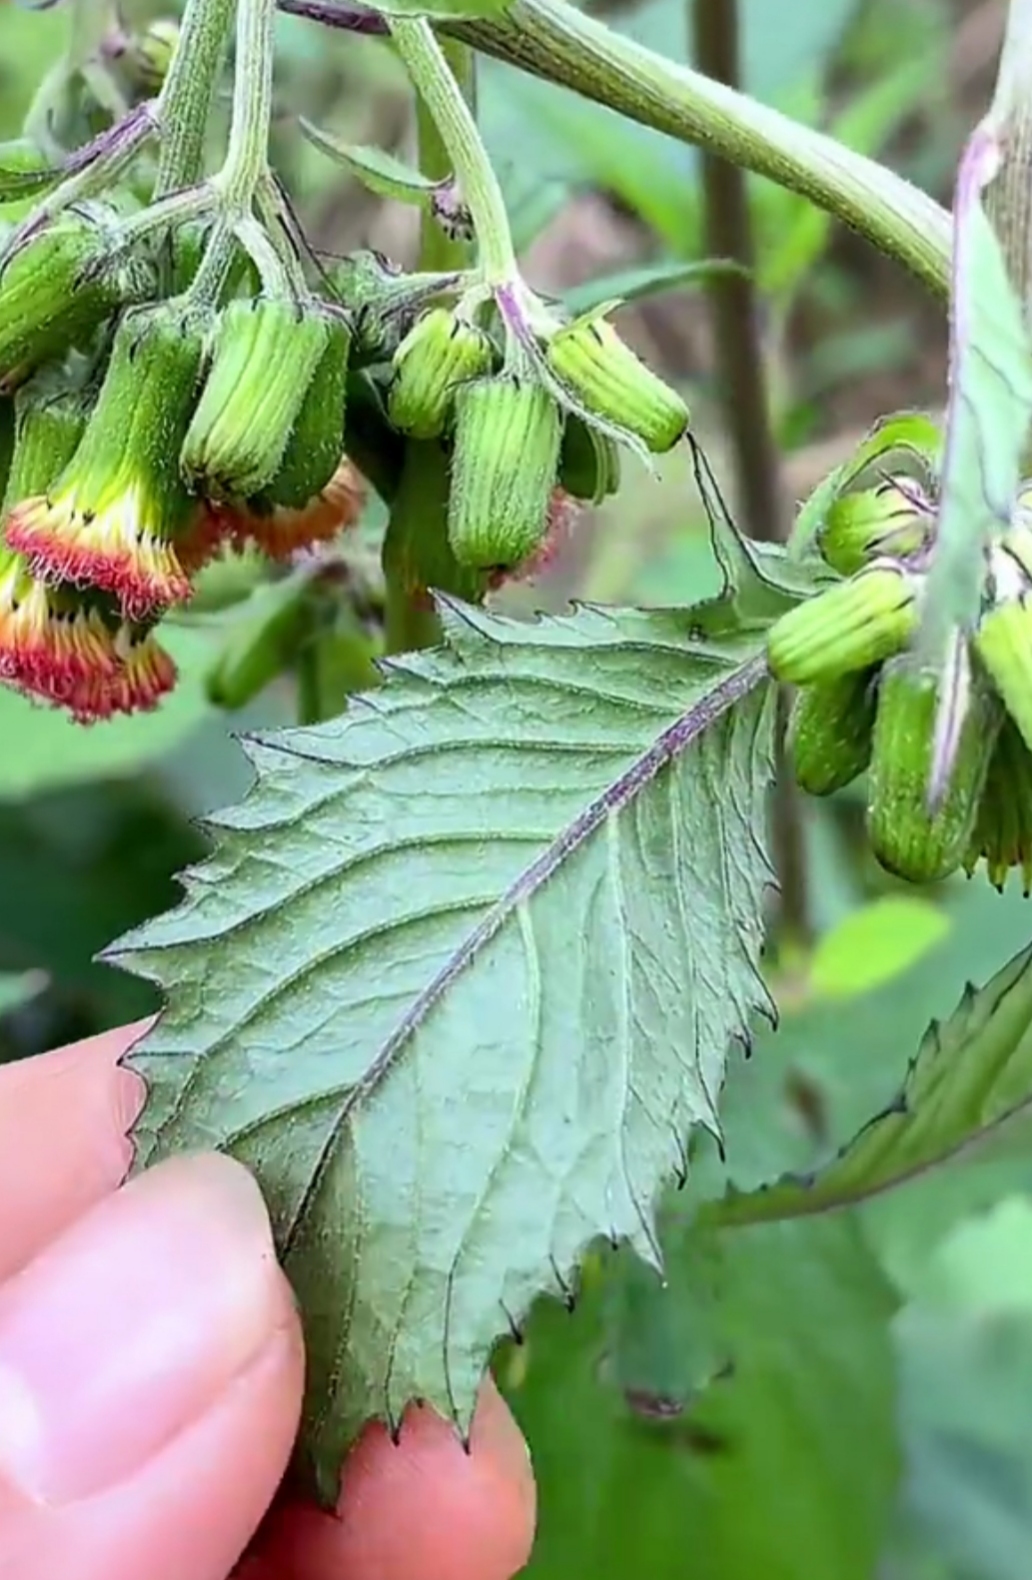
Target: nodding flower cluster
[
  {"x": 152, "y": 424},
  {"x": 866, "y": 701},
  {"x": 142, "y": 436}
]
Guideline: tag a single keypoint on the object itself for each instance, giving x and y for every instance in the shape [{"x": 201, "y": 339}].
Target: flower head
[
  {"x": 265, "y": 357},
  {"x": 282, "y": 531},
  {"x": 144, "y": 673},
  {"x": 51, "y": 639},
  {"x": 112, "y": 518},
  {"x": 564, "y": 514},
  {"x": 109, "y": 538},
  {"x": 73, "y": 649}
]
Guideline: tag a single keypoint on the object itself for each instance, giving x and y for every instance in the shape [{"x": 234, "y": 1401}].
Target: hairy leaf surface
[{"x": 461, "y": 974}]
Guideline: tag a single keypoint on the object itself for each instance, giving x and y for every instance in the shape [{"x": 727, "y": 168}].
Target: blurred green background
[{"x": 831, "y": 1399}]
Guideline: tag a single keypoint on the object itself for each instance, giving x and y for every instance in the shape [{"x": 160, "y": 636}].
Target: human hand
[{"x": 151, "y": 1371}]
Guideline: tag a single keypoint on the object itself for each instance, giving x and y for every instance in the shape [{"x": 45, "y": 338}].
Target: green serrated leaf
[
  {"x": 632, "y": 285},
  {"x": 903, "y": 433},
  {"x": 761, "y": 580},
  {"x": 377, "y": 169},
  {"x": 460, "y": 975},
  {"x": 971, "y": 1077}
]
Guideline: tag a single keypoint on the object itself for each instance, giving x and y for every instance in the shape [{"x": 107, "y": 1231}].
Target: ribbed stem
[
  {"x": 188, "y": 92},
  {"x": 247, "y": 155},
  {"x": 553, "y": 40},
  {"x": 438, "y": 253},
  {"x": 461, "y": 143}
]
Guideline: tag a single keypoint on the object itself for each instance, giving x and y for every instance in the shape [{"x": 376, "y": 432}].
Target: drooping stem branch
[
  {"x": 247, "y": 155},
  {"x": 553, "y": 40},
  {"x": 189, "y": 91},
  {"x": 460, "y": 142},
  {"x": 741, "y": 366},
  {"x": 438, "y": 252}
]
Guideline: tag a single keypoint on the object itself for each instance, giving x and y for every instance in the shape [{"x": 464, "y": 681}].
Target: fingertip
[
  {"x": 64, "y": 1123},
  {"x": 484, "y": 1492},
  {"x": 423, "y": 1508}
]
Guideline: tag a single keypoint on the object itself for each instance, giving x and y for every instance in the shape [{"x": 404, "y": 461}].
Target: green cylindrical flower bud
[
  {"x": 873, "y": 522},
  {"x": 507, "y": 438},
  {"x": 829, "y": 731},
  {"x": 261, "y": 644},
  {"x": 1002, "y": 835},
  {"x": 848, "y": 627},
  {"x": 316, "y": 442},
  {"x": 589, "y": 358},
  {"x": 441, "y": 351},
  {"x": 907, "y": 838},
  {"x": 1003, "y": 642},
  {"x": 266, "y": 355},
  {"x": 112, "y": 518},
  {"x": 589, "y": 462},
  {"x": 48, "y": 426},
  {"x": 23, "y": 168},
  {"x": 57, "y": 288}
]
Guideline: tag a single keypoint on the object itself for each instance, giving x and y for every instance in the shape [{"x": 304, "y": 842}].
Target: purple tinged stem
[{"x": 354, "y": 19}]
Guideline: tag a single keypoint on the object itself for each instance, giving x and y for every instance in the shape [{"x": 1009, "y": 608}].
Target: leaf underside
[{"x": 461, "y": 974}]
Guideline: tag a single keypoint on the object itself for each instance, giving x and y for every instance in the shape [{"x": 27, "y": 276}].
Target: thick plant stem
[
  {"x": 416, "y": 535},
  {"x": 438, "y": 253},
  {"x": 311, "y": 706},
  {"x": 411, "y": 621},
  {"x": 460, "y": 141},
  {"x": 189, "y": 91},
  {"x": 247, "y": 155},
  {"x": 553, "y": 40},
  {"x": 746, "y": 407},
  {"x": 417, "y": 557}
]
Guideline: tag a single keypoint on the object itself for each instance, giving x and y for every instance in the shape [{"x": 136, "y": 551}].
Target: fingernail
[{"x": 123, "y": 1331}]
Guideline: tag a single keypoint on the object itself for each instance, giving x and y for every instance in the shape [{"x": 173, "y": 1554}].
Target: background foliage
[{"x": 837, "y": 1396}]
